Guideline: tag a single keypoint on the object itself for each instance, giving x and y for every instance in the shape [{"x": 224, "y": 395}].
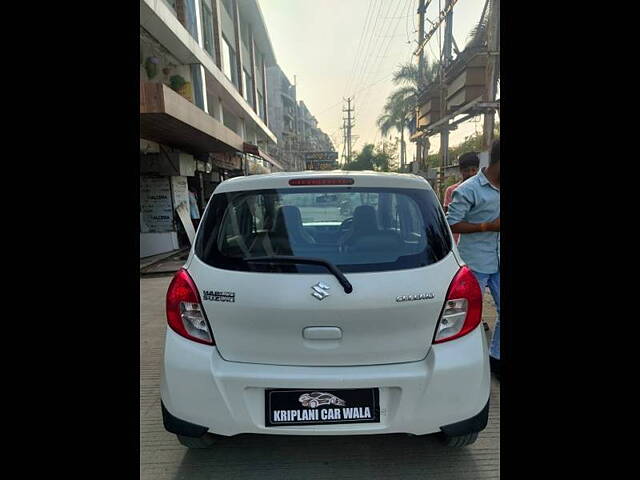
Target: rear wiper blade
[{"x": 348, "y": 288}]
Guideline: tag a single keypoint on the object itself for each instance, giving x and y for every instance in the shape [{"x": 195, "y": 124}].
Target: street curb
[{"x": 162, "y": 258}]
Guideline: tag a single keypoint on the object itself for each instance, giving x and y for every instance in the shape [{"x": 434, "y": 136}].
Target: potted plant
[
  {"x": 176, "y": 82},
  {"x": 151, "y": 66}
]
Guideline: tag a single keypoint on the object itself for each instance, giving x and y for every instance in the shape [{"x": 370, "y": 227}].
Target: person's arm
[
  {"x": 447, "y": 197},
  {"x": 466, "y": 227},
  {"x": 459, "y": 207}
]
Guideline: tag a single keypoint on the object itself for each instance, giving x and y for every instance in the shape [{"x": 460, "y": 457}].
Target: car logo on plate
[
  {"x": 320, "y": 290},
  {"x": 317, "y": 399}
]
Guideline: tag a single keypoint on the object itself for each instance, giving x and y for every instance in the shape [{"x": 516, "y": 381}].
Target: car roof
[{"x": 361, "y": 179}]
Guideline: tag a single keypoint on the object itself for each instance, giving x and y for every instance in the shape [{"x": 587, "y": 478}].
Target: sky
[{"x": 350, "y": 48}]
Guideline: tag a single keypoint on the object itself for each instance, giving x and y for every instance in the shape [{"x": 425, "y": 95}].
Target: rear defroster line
[{"x": 286, "y": 259}]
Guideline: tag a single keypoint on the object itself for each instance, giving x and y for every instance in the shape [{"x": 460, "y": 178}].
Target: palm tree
[
  {"x": 478, "y": 35},
  {"x": 408, "y": 74},
  {"x": 400, "y": 109},
  {"x": 396, "y": 114}
]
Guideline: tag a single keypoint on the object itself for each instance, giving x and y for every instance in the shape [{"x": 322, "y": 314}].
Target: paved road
[{"x": 284, "y": 457}]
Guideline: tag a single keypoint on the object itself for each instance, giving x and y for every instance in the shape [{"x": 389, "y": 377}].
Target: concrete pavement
[{"x": 284, "y": 457}]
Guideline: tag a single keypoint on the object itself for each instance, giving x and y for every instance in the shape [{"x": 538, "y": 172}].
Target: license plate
[{"x": 321, "y": 406}]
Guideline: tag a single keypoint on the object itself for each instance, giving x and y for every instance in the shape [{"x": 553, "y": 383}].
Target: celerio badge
[{"x": 411, "y": 298}]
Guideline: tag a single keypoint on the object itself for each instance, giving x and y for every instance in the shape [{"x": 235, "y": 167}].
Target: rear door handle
[{"x": 322, "y": 333}]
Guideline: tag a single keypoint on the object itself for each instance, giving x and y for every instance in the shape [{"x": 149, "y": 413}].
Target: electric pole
[
  {"x": 493, "y": 69},
  {"x": 420, "y": 143},
  {"x": 348, "y": 126},
  {"x": 445, "y": 60},
  {"x": 298, "y": 144},
  {"x": 344, "y": 142}
]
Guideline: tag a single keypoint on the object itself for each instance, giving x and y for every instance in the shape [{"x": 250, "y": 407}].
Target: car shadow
[{"x": 318, "y": 457}]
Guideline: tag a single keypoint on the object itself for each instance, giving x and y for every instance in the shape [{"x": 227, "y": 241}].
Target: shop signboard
[
  {"x": 320, "y": 165},
  {"x": 320, "y": 156},
  {"x": 226, "y": 161},
  {"x": 155, "y": 205},
  {"x": 257, "y": 165},
  {"x": 320, "y": 160},
  {"x": 180, "y": 191}
]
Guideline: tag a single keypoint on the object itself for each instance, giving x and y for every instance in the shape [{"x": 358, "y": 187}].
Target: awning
[
  {"x": 252, "y": 149},
  {"x": 168, "y": 118},
  {"x": 255, "y": 150}
]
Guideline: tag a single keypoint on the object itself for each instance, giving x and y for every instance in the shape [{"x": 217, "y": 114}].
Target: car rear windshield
[{"x": 356, "y": 229}]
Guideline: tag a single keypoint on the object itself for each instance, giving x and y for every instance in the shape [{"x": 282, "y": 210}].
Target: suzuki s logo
[{"x": 320, "y": 290}]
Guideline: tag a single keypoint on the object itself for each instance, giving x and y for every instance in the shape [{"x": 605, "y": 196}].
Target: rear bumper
[{"x": 441, "y": 392}]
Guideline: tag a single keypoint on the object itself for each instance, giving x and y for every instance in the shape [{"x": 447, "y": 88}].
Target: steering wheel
[{"x": 345, "y": 226}]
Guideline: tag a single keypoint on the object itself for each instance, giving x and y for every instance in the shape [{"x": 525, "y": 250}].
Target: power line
[
  {"x": 355, "y": 93},
  {"x": 362, "y": 72},
  {"x": 364, "y": 29},
  {"x": 367, "y": 36},
  {"x": 406, "y": 23},
  {"x": 436, "y": 26},
  {"x": 386, "y": 49},
  {"x": 375, "y": 30}
]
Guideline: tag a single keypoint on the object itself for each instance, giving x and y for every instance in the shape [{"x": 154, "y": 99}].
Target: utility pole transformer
[{"x": 493, "y": 70}]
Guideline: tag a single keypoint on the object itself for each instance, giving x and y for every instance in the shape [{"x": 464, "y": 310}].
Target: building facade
[
  {"x": 204, "y": 111},
  {"x": 312, "y": 139},
  {"x": 283, "y": 118},
  {"x": 292, "y": 123}
]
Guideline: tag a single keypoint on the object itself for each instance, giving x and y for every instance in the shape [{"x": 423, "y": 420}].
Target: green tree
[
  {"x": 371, "y": 159},
  {"x": 390, "y": 148}
]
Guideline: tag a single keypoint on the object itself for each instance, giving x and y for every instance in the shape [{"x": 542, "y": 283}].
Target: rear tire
[
  {"x": 205, "y": 441},
  {"x": 460, "y": 440}
]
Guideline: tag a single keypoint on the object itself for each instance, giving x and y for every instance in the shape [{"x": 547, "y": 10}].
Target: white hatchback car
[{"x": 287, "y": 300}]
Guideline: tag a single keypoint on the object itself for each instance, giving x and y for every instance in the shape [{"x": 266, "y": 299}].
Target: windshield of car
[{"x": 356, "y": 229}]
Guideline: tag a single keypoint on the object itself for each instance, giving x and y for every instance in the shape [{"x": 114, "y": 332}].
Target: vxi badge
[{"x": 411, "y": 298}]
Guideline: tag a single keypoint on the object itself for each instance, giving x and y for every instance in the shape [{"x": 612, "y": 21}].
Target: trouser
[{"x": 492, "y": 280}]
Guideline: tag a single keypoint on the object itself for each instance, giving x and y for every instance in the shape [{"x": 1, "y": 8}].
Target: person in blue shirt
[{"x": 474, "y": 212}]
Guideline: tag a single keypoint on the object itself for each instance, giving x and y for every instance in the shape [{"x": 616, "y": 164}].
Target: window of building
[
  {"x": 229, "y": 61},
  {"x": 228, "y": 4},
  {"x": 172, "y": 4},
  {"x": 207, "y": 28},
  {"x": 196, "y": 76},
  {"x": 248, "y": 87},
  {"x": 260, "y": 106},
  {"x": 190, "y": 18}
]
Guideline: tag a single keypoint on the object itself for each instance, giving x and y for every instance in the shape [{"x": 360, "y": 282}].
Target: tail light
[
  {"x": 462, "y": 308},
  {"x": 185, "y": 314}
]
